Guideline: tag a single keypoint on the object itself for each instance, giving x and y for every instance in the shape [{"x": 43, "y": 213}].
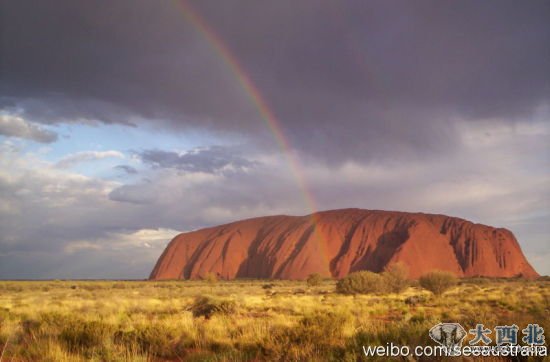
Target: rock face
[{"x": 335, "y": 243}]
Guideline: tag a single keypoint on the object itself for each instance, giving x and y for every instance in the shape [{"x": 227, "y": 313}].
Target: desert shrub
[
  {"x": 362, "y": 282},
  {"x": 55, "y": 319},
  {"x": 324, "y": 326},
  {"x": 206, "y": 307},
  {"x": 476, "y": 281},
  {"x": 80, "y": 335},
  {"x": 118, "y": 286},
  {"x": 395, "y": 277},
  {"x": 418, "y": 318},
  {"x": 210, "y": 278},
  {"x": 415, "y": 299},
  {"x": 268, "y": 286},
  {"x": 314, "y": 280},
  {"x": 438, "y": 282}
]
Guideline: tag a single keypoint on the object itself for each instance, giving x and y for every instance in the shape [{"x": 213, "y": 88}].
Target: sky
[{"x": 123, "y": 123}]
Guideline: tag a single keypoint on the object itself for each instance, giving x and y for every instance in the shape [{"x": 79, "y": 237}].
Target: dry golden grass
[{"x": 245, "y": 320}]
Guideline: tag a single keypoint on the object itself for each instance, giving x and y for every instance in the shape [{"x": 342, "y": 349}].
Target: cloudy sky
[{"x": 125, "y": 122}]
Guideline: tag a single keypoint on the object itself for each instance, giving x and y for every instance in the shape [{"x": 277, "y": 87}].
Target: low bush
[
  {"x": 415, "y": 299},
  {"x": 314, "y": 280},
  {"x": 210, "y": 277},
  {"x": 438, "y": 282},
  {"x": 395, "y": 278},
  {"x": 362, "y": 282},
  {"x": 476, "y": 281}
]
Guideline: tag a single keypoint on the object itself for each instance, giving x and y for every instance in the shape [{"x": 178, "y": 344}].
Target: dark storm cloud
[
  {"x": 209, "y": 160},
  {"x": 350, "y": 79}
]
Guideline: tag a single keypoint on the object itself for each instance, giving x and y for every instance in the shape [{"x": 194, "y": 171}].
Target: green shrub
[
  {"x": 438, "y": 282},
  {"x": 362, "y": 282},
  {"x": 206, "y": 307},
  {"x": 395, "y": 277},
  {"x": 314, "y": 280}
]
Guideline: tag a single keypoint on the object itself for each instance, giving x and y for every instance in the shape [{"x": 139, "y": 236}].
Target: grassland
[{"x": 246, "y": 320}]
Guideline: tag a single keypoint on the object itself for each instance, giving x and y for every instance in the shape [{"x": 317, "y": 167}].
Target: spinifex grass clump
[
  {"x": 80, "y": 335},
  {"x": 151, "y": 338},
  {"x": 319, "y": 336},
  {"x": 207, "y": 306}
]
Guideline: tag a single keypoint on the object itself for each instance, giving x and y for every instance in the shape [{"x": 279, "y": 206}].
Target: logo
[{"x": 448, "y": 335}]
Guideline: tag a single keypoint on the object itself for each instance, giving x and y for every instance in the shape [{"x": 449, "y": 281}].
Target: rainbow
[{"x": 266, "y": 114}]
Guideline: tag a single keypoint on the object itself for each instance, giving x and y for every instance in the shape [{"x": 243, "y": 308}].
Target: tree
[{"x": 438, "y": 282}]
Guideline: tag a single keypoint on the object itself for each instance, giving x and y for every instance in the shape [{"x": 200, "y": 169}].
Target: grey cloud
[
  {"x": 15, "y": 126},
  {"x": 347, "y": 80},
  {"x": 127, "y": 169},
  {"x": 86, "y": 264},
  {"x": 132, "y": 194},
  {"x": 210, "y": 160}
]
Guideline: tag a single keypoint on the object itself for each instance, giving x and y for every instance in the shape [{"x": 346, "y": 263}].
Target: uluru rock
[{"x": 335, "y": 243}]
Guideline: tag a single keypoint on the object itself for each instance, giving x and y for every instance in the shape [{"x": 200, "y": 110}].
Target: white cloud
[
  {"x": 15, "y": 126},
  {"x": 73, "y": 247},
  {"x": 143, "y": 238},
  {"x": 85, "y": 156}
]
